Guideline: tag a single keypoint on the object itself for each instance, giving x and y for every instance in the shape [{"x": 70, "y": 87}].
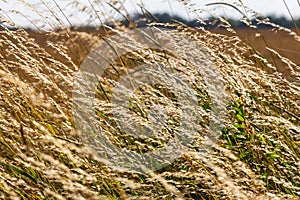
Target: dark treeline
[{"x": 142, "y": 21}]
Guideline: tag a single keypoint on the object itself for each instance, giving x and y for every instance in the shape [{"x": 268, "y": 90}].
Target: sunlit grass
[{"x": 43, "y": 157}]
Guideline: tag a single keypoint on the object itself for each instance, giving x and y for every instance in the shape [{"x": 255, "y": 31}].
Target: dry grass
[
  {"x": 257, "y": 156},
  {"x": 280, "y": 41}
]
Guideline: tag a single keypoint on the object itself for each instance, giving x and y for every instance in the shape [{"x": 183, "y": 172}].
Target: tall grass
[{"x": 42, "y": 156}]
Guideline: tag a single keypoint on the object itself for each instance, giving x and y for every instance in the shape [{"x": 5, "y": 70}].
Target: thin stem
[
  {"x": 94, "y": 9},
  {"x": 63, "y": 13},
  {"x": 227, "y": 4},
  {"x": 294, "y": 22},
  {"x": 53, "y": 13}
]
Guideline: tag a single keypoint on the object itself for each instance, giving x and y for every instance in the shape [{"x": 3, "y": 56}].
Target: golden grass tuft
[{"x": 43, "y": 157}]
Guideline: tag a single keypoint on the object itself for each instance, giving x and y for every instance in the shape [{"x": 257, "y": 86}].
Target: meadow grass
[{"x": 42, "y": 156}]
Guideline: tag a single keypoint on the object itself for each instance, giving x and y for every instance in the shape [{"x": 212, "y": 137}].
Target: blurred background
[{"x": 27, "y": 13}]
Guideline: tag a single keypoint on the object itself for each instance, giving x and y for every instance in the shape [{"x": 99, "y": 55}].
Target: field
[
  {"x": 238, "y": 136},
  {"x": 279, "y": 41}
]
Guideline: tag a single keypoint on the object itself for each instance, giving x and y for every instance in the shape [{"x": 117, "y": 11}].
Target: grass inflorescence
[{"x": 42, "y": 155}]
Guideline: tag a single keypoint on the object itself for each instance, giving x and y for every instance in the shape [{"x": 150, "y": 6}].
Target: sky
[
  {"x": 26, "y": 16},
  {"x": 265, "y": 7}
]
